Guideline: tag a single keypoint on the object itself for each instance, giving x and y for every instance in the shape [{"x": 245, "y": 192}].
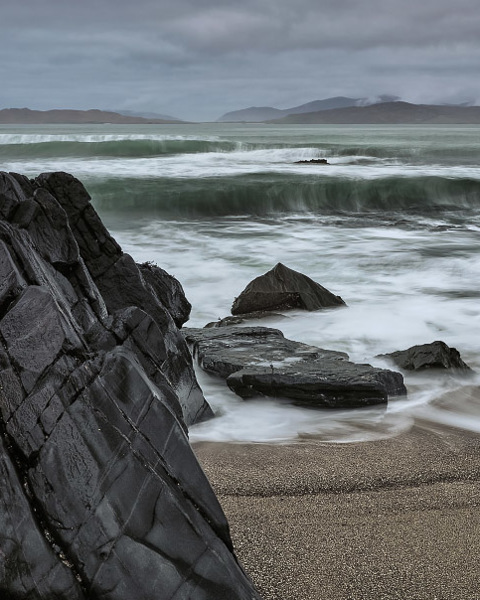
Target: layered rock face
[{"x": 100, "y": 495}]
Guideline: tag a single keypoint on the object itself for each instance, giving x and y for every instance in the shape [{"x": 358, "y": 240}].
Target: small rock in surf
[
  {"x": 312, "y": 161},
  {"x": 436, "y": 355}
]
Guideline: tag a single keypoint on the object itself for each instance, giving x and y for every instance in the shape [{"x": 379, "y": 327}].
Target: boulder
[
  {"x": 282, "y": 288},
  {"x": 436, "y": 355},
  {"x": 101, "y": 494},
  {"x": 261, "y": 361}
]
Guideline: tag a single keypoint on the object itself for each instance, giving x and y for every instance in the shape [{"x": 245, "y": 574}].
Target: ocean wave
[
  {"x": 102, "y": 146},
  {"x": 273, "y": 193},
  {"x": 28, "y": 147}
]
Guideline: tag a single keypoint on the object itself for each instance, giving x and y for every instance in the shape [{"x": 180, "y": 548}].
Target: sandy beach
[{"x": 391, "y": 519}]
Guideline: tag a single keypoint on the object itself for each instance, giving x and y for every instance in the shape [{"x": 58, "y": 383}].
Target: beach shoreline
[{"x": 392, "y": 518}]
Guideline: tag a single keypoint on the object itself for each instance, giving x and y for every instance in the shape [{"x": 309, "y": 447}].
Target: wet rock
[
  {"x": 261, "y": 361},
  {"x": 121, "y": 285},
  {"x": 436, "y": 355},
  {"x": 282, "y": 288},
  {"x": 312, "y": 161},
  {"x": 101, "y": 495},
  {"x": 239, "y": 319},
  {"x": 169, "y": 290}
]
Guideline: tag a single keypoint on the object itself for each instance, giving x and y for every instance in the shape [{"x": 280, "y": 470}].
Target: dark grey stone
[
  {"x": 282, "y": 288},
  {"x": 169, "y": 291},
  {"x": 436, "y": 355},
  {"x": 101, "y": 496},
  {"x": 239, "y": 319},
  {"x": 260, "y": 360}
]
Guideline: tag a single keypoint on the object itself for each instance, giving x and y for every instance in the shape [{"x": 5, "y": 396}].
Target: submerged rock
[
  {"x": 282, "y": 288},
  {"x": 261, "y": 361},
  {"x": 101, "y": 494},
  {"x": 436, "y": 355}
]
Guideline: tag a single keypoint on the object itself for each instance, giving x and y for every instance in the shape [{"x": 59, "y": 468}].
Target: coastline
[{"x": 393, "y": 518}]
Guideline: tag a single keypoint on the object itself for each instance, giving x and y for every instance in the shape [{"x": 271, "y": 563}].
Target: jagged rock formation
[
  {"x": 436, "y": 355},
  {"x": 100, "y": 495},
  {"x": 282, "y": 288},
  {"x": 261, "y": 361}
]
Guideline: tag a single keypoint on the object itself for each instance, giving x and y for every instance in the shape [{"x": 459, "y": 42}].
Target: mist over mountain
[
  {"x": 390, "y": 113},
  {"x": 256, "y": 114}
]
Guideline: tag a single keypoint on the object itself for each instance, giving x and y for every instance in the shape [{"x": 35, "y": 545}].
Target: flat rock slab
[
  {"x": 282, "y": 288},
  {"x": 436, "y": 355},
  {"x": 261, "y": 361},
  {"x": 240, "y": 319}
]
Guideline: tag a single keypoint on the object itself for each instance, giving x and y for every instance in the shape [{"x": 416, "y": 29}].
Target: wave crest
[{"x": 269, "y": 194}]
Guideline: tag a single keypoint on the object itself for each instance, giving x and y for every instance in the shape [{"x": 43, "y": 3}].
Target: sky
[{"x": 197, "y": 59}]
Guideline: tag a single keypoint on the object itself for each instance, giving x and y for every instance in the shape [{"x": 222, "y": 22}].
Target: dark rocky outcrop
[
  {"x": 261, "y": 361},
  {"x": 168, "y": 290},
  {"x": 282, "y": 288},
  {"x": 100, "y": 495},
  {"x": 436, "y": 355}
]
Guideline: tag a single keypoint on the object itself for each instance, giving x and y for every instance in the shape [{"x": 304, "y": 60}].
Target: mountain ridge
[
  {"x": 26, "y": 116},
  {"x": 255, "y": 114},
  {"x": 389, "y": 113}
]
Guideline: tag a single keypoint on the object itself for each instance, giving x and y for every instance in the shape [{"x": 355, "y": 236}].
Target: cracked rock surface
[
  {"x": 101, "y": 496},
  {"x": 261, "y": 361}
]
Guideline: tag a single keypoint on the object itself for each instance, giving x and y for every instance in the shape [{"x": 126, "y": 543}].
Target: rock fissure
[{"x": 51, "y": 537}]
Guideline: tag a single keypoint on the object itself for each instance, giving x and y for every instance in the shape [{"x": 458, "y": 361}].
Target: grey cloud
[{"x": 200, "y": 58}]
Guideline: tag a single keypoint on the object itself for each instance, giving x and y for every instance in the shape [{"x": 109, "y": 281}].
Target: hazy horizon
[{"x": 197, "y": 61}]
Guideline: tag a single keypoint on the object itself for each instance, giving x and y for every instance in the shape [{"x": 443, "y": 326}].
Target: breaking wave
[
  {"x": 264, "y": 194},
  {"x": 50, "y": 146},
  {"x": 40, "y": 146}
]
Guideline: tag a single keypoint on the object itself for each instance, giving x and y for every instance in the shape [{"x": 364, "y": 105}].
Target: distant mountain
[
  {"x": 38, "y": 117},
  {"x": 390, "y": 113},
  {"x": 253, "y": 114},
  {"x": 256, "y": 114},
  {"x": 146, "y": 115}
]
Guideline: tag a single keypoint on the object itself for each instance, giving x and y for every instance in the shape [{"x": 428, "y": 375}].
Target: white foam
[{"x": 402, "y": 287}]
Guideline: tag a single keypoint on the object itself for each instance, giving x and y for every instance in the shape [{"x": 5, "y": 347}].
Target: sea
[{"x": 391, "y": 224}]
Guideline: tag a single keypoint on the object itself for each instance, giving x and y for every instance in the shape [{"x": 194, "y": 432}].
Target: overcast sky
[{"x": 197, "y": 59}]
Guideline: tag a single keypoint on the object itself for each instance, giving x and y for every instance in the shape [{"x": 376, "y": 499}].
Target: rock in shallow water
[
  {"x": 260, "y": 360},
  {"x": 436, "y": 355},
  {"x": 282, "y": 288},
  {"x": 101, "y": 495}
]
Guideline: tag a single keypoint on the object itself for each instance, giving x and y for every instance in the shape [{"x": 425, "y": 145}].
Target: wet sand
[{"x": 396, "y": 518}]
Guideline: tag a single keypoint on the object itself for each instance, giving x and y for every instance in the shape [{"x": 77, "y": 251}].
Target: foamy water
[{"x": 402, "y": 288}]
